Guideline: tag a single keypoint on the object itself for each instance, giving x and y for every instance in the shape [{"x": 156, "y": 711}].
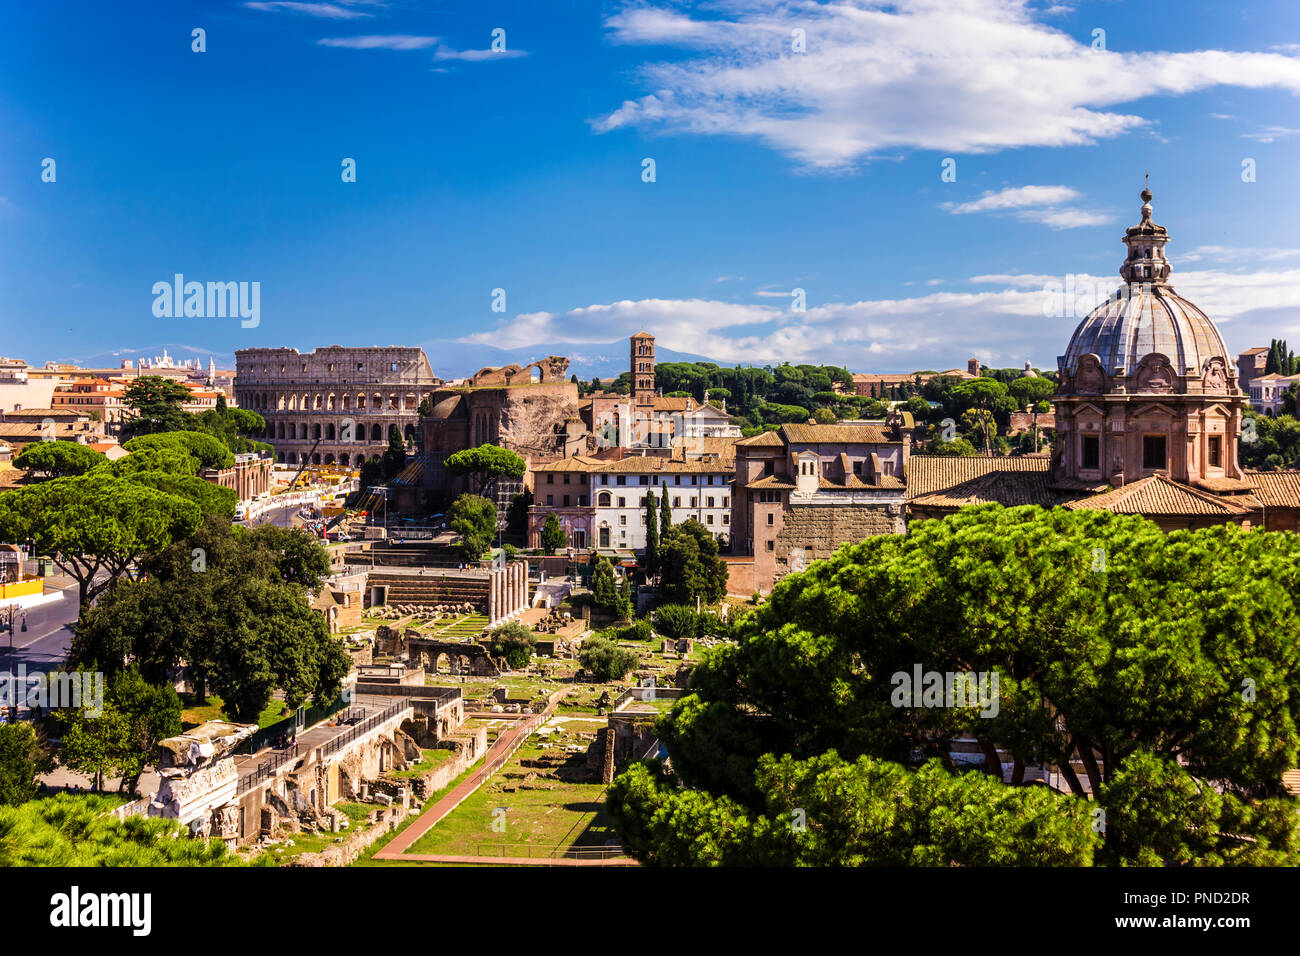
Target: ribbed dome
[
  {"x": 1152, "y": 319},
  {"x": 1145, "y": 316}
]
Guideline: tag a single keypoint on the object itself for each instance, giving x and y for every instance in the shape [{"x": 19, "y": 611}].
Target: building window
[
  {"x": 550, "y": 478},
  {"x": 677, "y": 502},
  {"x": 622, "y": 519},
  {"x": 645, "y": 479},
  {"x": 708, "y": 502},
  {"x": 622, "y": 502},
  {"x": 604, "y": 479},
  {"x": 602, "y": 499},
  {"x": 582, "y": 501},
  {"x": 771, "y": 546},
  {"x": 726, "y": 502},
  {"x": 622, "y": 480},
  {"x": 726, "y": 518},
  {"x": 693, "y": 502},
  {"x": 566, "y": 501},
  {"x": 769, "y": 467},
  {"x": 771, "y": 518},
  {"x": 708, "y": 519},
  {"x": 550, "y": 499},
  {"x": 1153, "y": 451},
  {"x": 1216, "y": 451},
  {"x": 677, "y": 479},
  {"x": 1091, "y": 456},
  {"x": 566, "y": 479}
]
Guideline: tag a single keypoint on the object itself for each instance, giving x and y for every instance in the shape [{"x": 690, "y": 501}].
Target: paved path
[{"x": 493, "y": 761}]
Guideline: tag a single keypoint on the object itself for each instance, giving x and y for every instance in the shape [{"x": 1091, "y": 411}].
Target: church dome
[{"x": 1146, "y": 320}]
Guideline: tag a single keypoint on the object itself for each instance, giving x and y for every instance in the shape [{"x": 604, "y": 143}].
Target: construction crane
[{"x": 305, "y": 458}]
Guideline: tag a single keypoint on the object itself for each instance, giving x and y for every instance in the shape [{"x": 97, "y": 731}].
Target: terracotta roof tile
[
  {"x": 837, "y": 434},
  {"x": 1158, "y": 495},
  {"x": 930, "y": 474}
]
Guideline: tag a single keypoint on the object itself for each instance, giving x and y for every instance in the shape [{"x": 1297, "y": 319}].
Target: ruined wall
[{"x": 813, "y": 532}]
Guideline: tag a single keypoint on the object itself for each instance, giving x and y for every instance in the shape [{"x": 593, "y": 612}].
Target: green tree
[
  {"x": 517, "y": 513},
  {"x": 58, "y": 459},
  {"x": 98, "y": 747},
  {"x": 604, "y": 588},
  {"x": 1071, "y": 610},
  {"x": 824, "y": 416},
  {"x": 604, "y": 660},
  {"x": 22, "y": 760},
  {"x": 485, "y": 465},
  {"x": 475, "y": 520},
  {"x": 677, "y": 620},
  {"x": 95, "y": 524},
  {"x": 552, "y": 534},
  {"x": 394, "y": 459},
  {"x": 652, "y": 532},
  {"x": 232, "y": 606},
  {"x": 826, "y": 811},
  {"x": 156, "y": 403},
  {"x": 986, "y": 395},
  {"x": 207, "y": 450},
  {"x": 68, "y": 831},
  {"x": 513, "y": 641},
  {"x": 689, "y": 565},
  {"x": 153, "y": 713},
  {"x": 665, "y": 517}
]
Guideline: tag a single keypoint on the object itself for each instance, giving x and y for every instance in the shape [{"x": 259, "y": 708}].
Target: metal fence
[
  {"x": 365, "y": 726},
  {"x": 294, "y": 722},
  {"x": 265, "y": 770}
]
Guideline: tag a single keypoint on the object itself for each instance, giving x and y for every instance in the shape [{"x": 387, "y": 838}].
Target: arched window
[{"x": 602, "y": 499}]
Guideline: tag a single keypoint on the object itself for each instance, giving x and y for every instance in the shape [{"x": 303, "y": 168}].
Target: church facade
[{"x": 1148, "y": 413}]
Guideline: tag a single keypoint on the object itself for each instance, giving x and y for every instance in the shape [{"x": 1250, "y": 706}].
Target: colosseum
[{"x": 333, "y": 405}]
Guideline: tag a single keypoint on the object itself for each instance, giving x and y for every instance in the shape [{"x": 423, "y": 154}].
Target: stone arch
[
  {"x": 329, "y": 431},
  {"x": 375, "y": 433},
  {"x": 344, "y": 459},
  {"x": 329, "y": 460}
]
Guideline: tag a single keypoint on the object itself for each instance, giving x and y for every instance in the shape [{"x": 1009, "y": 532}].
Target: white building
[{"x": 601, "y": 503}]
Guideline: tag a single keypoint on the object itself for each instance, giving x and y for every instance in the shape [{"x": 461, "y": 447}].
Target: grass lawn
[
  {"x": 551, "y": 813},
  {"x": 368, "y": 857},
  {"x": 194, "y": 713}
]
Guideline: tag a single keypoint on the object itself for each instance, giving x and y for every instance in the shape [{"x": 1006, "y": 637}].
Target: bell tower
[{"x": 643, "y": 371}]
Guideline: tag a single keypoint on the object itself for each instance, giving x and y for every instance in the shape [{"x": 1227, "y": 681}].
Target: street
[{"x": 45, "y": 643}]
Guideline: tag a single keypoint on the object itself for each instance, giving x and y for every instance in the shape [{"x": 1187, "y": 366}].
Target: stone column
[
  {"x": 519, "y": 579},
  {"x": 492, "y": 597}
]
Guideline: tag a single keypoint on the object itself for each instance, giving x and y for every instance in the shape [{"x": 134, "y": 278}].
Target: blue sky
[{"x": 523, "y": 170}]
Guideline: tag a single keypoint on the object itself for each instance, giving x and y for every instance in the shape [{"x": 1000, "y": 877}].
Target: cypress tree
[
  {"x": 651, "y": 533},
  {"x": 665, "y": 515}
]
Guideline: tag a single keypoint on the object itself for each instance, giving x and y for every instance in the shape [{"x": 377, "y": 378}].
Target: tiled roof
[
  {"x": 762, "y": 439},
  {"x": 855, "y": 483},
  {"x": 768, "y": 482},
  {"x": 837, "y": 434},
  {"x": 929, "y": 474},
  {"x": 638, "y": 465},
  {"x": 1158, "y": 495},
  {"x": 1276, "y": 489}
]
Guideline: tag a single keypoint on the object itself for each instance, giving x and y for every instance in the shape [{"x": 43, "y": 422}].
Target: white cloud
[
  {"x": 1041, "y": 204},
  {"x": 1271, "y": 134},
  {"x": 1004, "y": 324},
  {"x": 1227, "y": 254},
  {"x": 476, "y": 56},
  {"x": 1016, "y": 198},
  {"x": 968, "y": 76},
  {"x": 344, "y": 10},
  {"x": 395, "y": 42}
]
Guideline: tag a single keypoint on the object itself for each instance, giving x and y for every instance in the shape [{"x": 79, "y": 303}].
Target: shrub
[
  {"x": 637, "y": 631},
  {"x": 677, "y": 621},
  {"x": 513, "y": 641},
  {"x": 604, "y": 659}
]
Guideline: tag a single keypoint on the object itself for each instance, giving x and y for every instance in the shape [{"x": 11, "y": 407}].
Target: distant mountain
[
  {"x": 450, "y": 359},
  {"x": 605, "y": 360}
]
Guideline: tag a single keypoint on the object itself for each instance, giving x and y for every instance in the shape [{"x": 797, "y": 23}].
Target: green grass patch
[{"x": 539, "y": 816}]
